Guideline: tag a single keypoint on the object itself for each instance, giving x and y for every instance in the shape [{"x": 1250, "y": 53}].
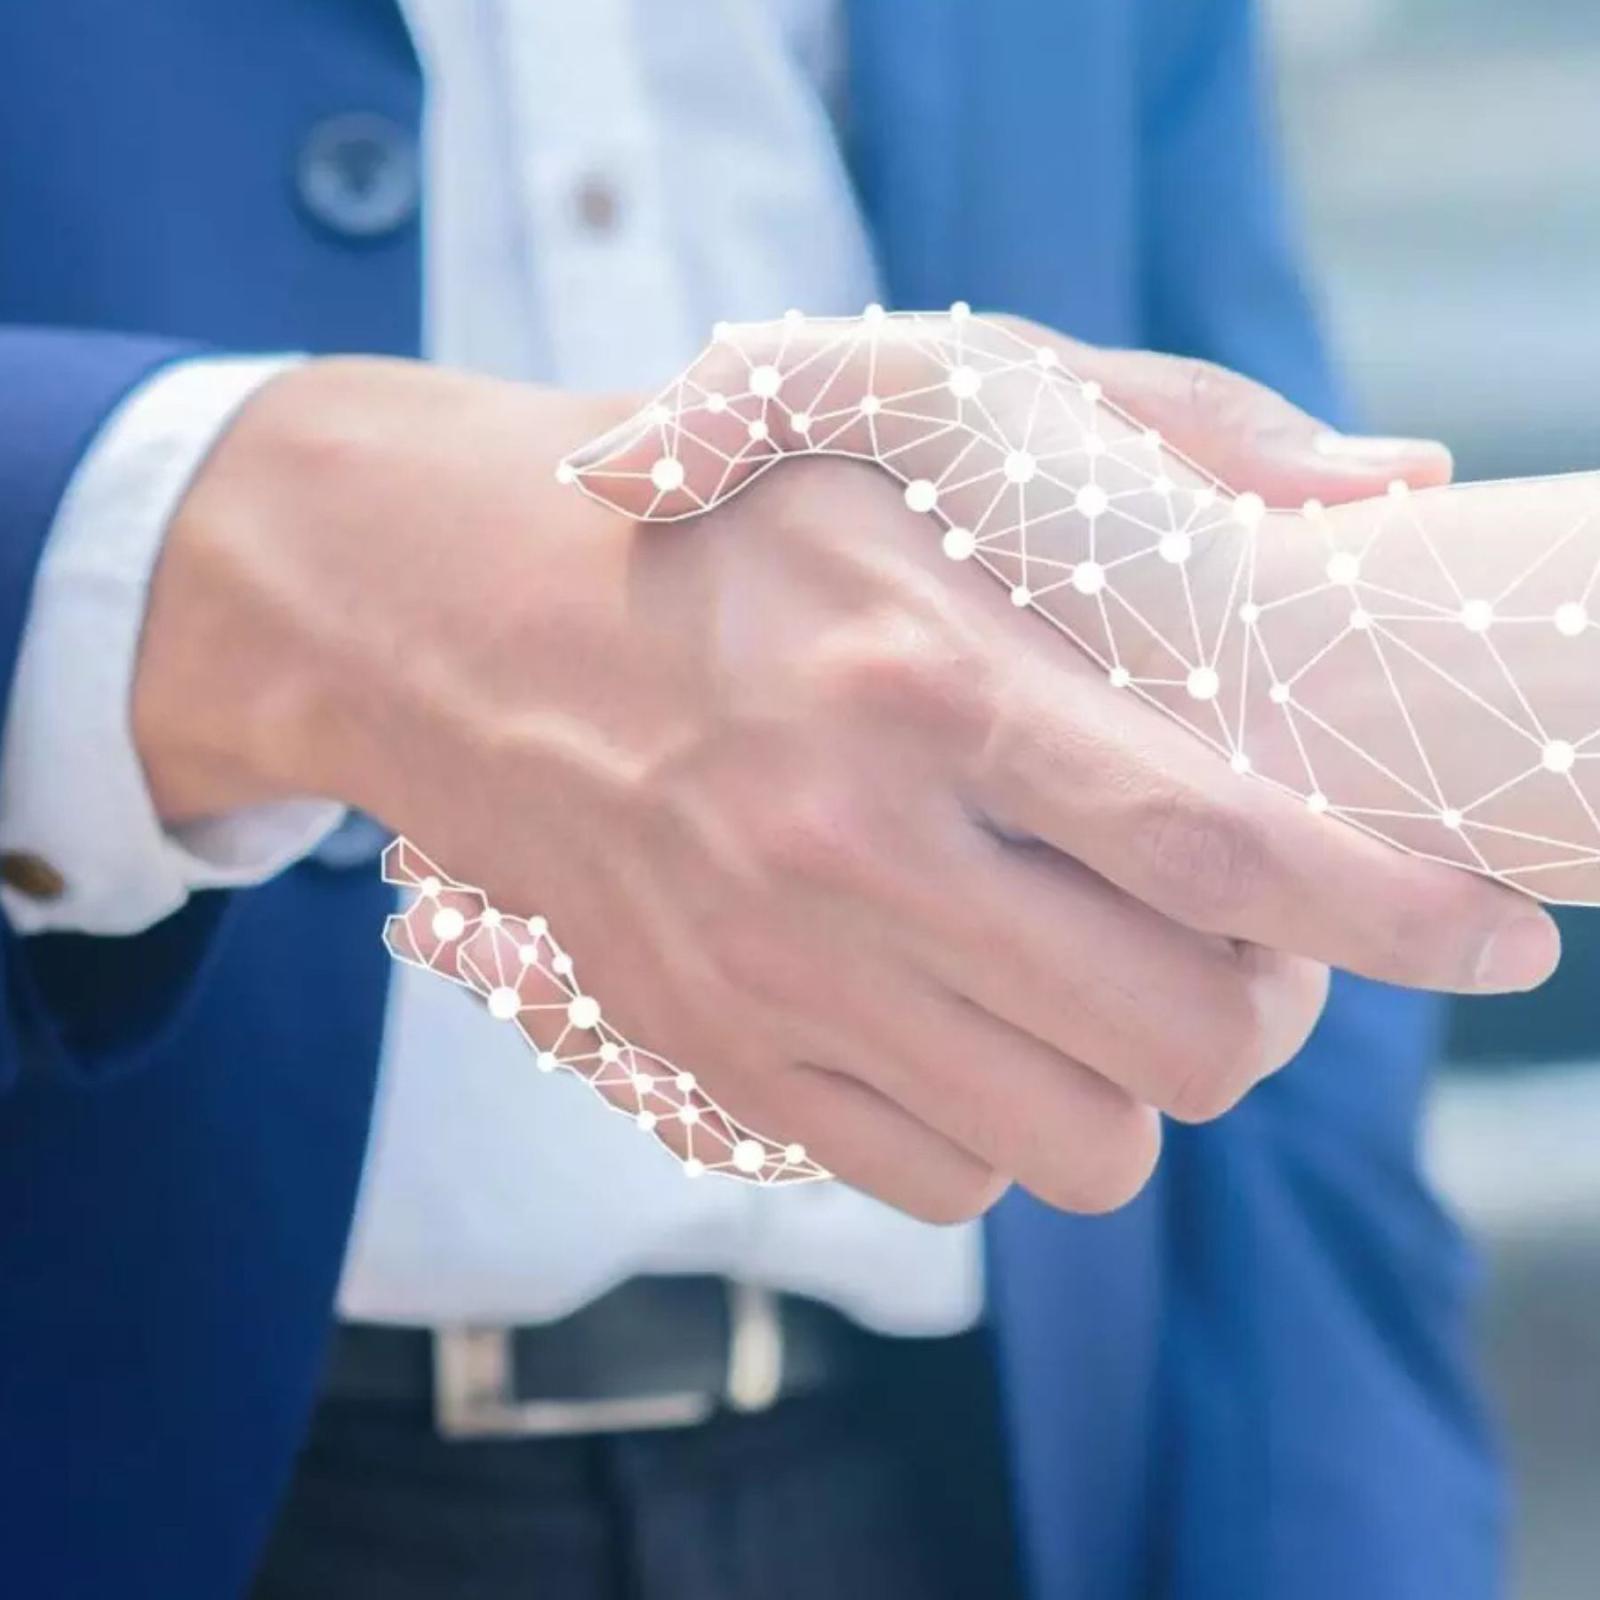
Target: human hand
[{"x": 763, "y": 774}]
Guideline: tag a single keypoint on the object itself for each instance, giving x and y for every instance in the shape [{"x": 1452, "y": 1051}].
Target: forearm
[{"x": 293, "y": 640}]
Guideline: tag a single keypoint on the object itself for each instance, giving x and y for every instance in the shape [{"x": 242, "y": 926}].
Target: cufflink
[{"x": 31, "y": 875}]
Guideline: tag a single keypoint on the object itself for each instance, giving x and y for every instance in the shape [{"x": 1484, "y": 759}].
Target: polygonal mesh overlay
[
  {"x": 528, "y": 982},
  {"x": 1421, "y": 666}
]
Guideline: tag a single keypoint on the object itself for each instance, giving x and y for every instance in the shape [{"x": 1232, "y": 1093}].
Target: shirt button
[
  {"x": 358, "y": 174},
  {"x": 31, "y": 875},
  {"x": 598, "y": 207}
]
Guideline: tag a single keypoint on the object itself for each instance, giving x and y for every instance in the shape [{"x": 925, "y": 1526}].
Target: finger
[
  {"x": 868, "y": 1141},
  {"x": 1140, "y": 802},
  {"x": 1185, "y": 1021},
  {"x": 1065, "y": 1133},
  {"x": 1249, "y": 436}
]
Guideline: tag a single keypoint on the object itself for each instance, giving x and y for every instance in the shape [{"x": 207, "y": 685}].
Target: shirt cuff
[{"x": 72, "y": 789}]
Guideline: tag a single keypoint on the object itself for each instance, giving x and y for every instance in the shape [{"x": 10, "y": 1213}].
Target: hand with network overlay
[{"x": 853, "y": 847}]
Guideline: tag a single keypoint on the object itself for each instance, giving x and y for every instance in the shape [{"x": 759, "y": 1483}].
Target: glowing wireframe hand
[
  {"x": 1423, "y": 665},
  {"x": 833, "y": 906}
]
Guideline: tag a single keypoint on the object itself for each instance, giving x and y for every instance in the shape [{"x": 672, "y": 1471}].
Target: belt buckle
[{"x": 474, "y": 1388}]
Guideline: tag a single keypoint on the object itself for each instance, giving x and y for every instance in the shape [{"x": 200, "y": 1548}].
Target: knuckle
[
  {"x": 928, "y": 679},
  {"x": 1225, "y": 1056},
  {"x": 1209, "y": 859},
  {"x": 1124, "y": 1157},
  {"x": 816, "y": 838},
  {"x": 962, "y": 1197}
]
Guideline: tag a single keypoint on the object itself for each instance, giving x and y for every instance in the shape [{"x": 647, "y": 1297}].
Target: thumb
[{"x": 1250, "y": 437}]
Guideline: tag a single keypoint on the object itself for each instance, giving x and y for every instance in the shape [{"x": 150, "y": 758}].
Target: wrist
[{"x": 315, "y": 581}]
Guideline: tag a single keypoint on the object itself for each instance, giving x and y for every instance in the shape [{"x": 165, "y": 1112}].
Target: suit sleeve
[
  {"x": 1224, "y": 280},
  {"x": 1331, "y": 1438},
  {"x": 71, "y": 1006}
]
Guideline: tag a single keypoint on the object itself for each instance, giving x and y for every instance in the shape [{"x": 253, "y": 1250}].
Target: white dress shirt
[{"x": 604, "y": 181}]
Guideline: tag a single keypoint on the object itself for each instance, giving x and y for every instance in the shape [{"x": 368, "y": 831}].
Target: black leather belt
[{"x": 654, "y": 1353}]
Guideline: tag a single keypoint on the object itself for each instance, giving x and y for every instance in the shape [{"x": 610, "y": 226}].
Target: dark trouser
[{"x": 891, "y": 1487}]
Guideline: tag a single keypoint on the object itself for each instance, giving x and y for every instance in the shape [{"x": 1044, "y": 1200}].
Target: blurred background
[{"x": 1447, "y": 159}]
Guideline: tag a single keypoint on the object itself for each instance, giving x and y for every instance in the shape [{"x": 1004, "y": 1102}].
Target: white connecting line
[{"x": 1287, "y": 641}]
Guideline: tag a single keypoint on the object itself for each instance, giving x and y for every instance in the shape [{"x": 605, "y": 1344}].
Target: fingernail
[
  {"x": 1378, "y": 449},
  {"x": 1520, "y": 956}
]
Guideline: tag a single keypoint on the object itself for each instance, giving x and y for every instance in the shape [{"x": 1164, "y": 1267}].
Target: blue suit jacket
[{"x": 1248, "y": 1385}]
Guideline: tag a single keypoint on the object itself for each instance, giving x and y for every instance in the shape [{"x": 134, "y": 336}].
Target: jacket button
[
  {"x": 31, "y": 875},
  {"x": 358, "y": 174}
]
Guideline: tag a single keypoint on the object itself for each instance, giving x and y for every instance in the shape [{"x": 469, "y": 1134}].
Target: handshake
[{"x": 942, "y": 897}]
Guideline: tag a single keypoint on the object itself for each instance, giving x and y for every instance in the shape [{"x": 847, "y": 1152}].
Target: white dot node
[
  {"x": 561, "y": 964},
  {"x": 1092, "y": 392},
  {"x": 1248, "y": 510},
  {"x": 870, "y": 405},
  {"x": 1278, "y": 694},
  {"x": 758, "y": 430},
  {"x": 660, "y": 416},
  {"x": 959, "y": 543},
  {"x": 1203, "y": 684},
  {"x": 1317, "y": 801},
  {"x": 721, "y": 330},
  {"x": 873, "y": 313},
  {"x": 527, "y": 954},
  {"x": 1091, "y": 500},
  {"x": 716, "y": 402},
  {"x": 566, "y": 473},
  {"x": 643, "y": 1083},
  {"x": 794, "y": 316},
  {"x": 765, "y": 381},
  {"x": 1021, "y": 596},
  {"x": 1360, "y": 620},
  {"x": 610, "y": 1052},
  {"x": 963, "y": 382},
  {"x": 688, "y": 1115},
  {"x": 1161, "y": 483},
  {"x": 1094, "y": 445},
  {"x": 1249, "y": 613},
  {"x": 583, "y": 1011},
  {"x": 1399, "y": 489},
  {"x": 1557, "y": 756},
  {"x": 1476, "y": 616},
  {"x": 1175, "y": 547},
  {"x": 1088, "y": 577},
  {"x": 801, "y": 421},
  {"x": 504, "y": 1003},
  {"x": 547, "y": 1061},
  {"x": 794, "y": 1154},
  {"x": 1045, "y": 356},
  {"x": 646, "y": 1121},
  {"x": 448, "y": 923},
  {"x": 490, "y": 917},
  {"x": 748, "y": 1156},
  {"x": 1571, "y": 619},
  {"x": 960, "y": 310},
  {"x": 921, "y": 495},
  {"x": 1020, "y": 467},
  {"x": 1152, "y": 437},
  {"x": 667, "y": 474},
  {"x": 1239, "y": 761},
  {"x": 1451, "y": 818},
  {"x": 430, "y": 887},
  {"x": 684, "y": 1083},
  {"x": 1313, "y": 509},
  {"x": 1205, "y": 497},
  {"x": 694, "y": 1167},
  {"x": 1119, "y": 677},
  {"x": 1343, "y": 567},
  {"x": 538, "y": 927}
]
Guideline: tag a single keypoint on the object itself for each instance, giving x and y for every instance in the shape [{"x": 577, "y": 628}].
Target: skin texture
[{"x": 943, "y": 909}]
